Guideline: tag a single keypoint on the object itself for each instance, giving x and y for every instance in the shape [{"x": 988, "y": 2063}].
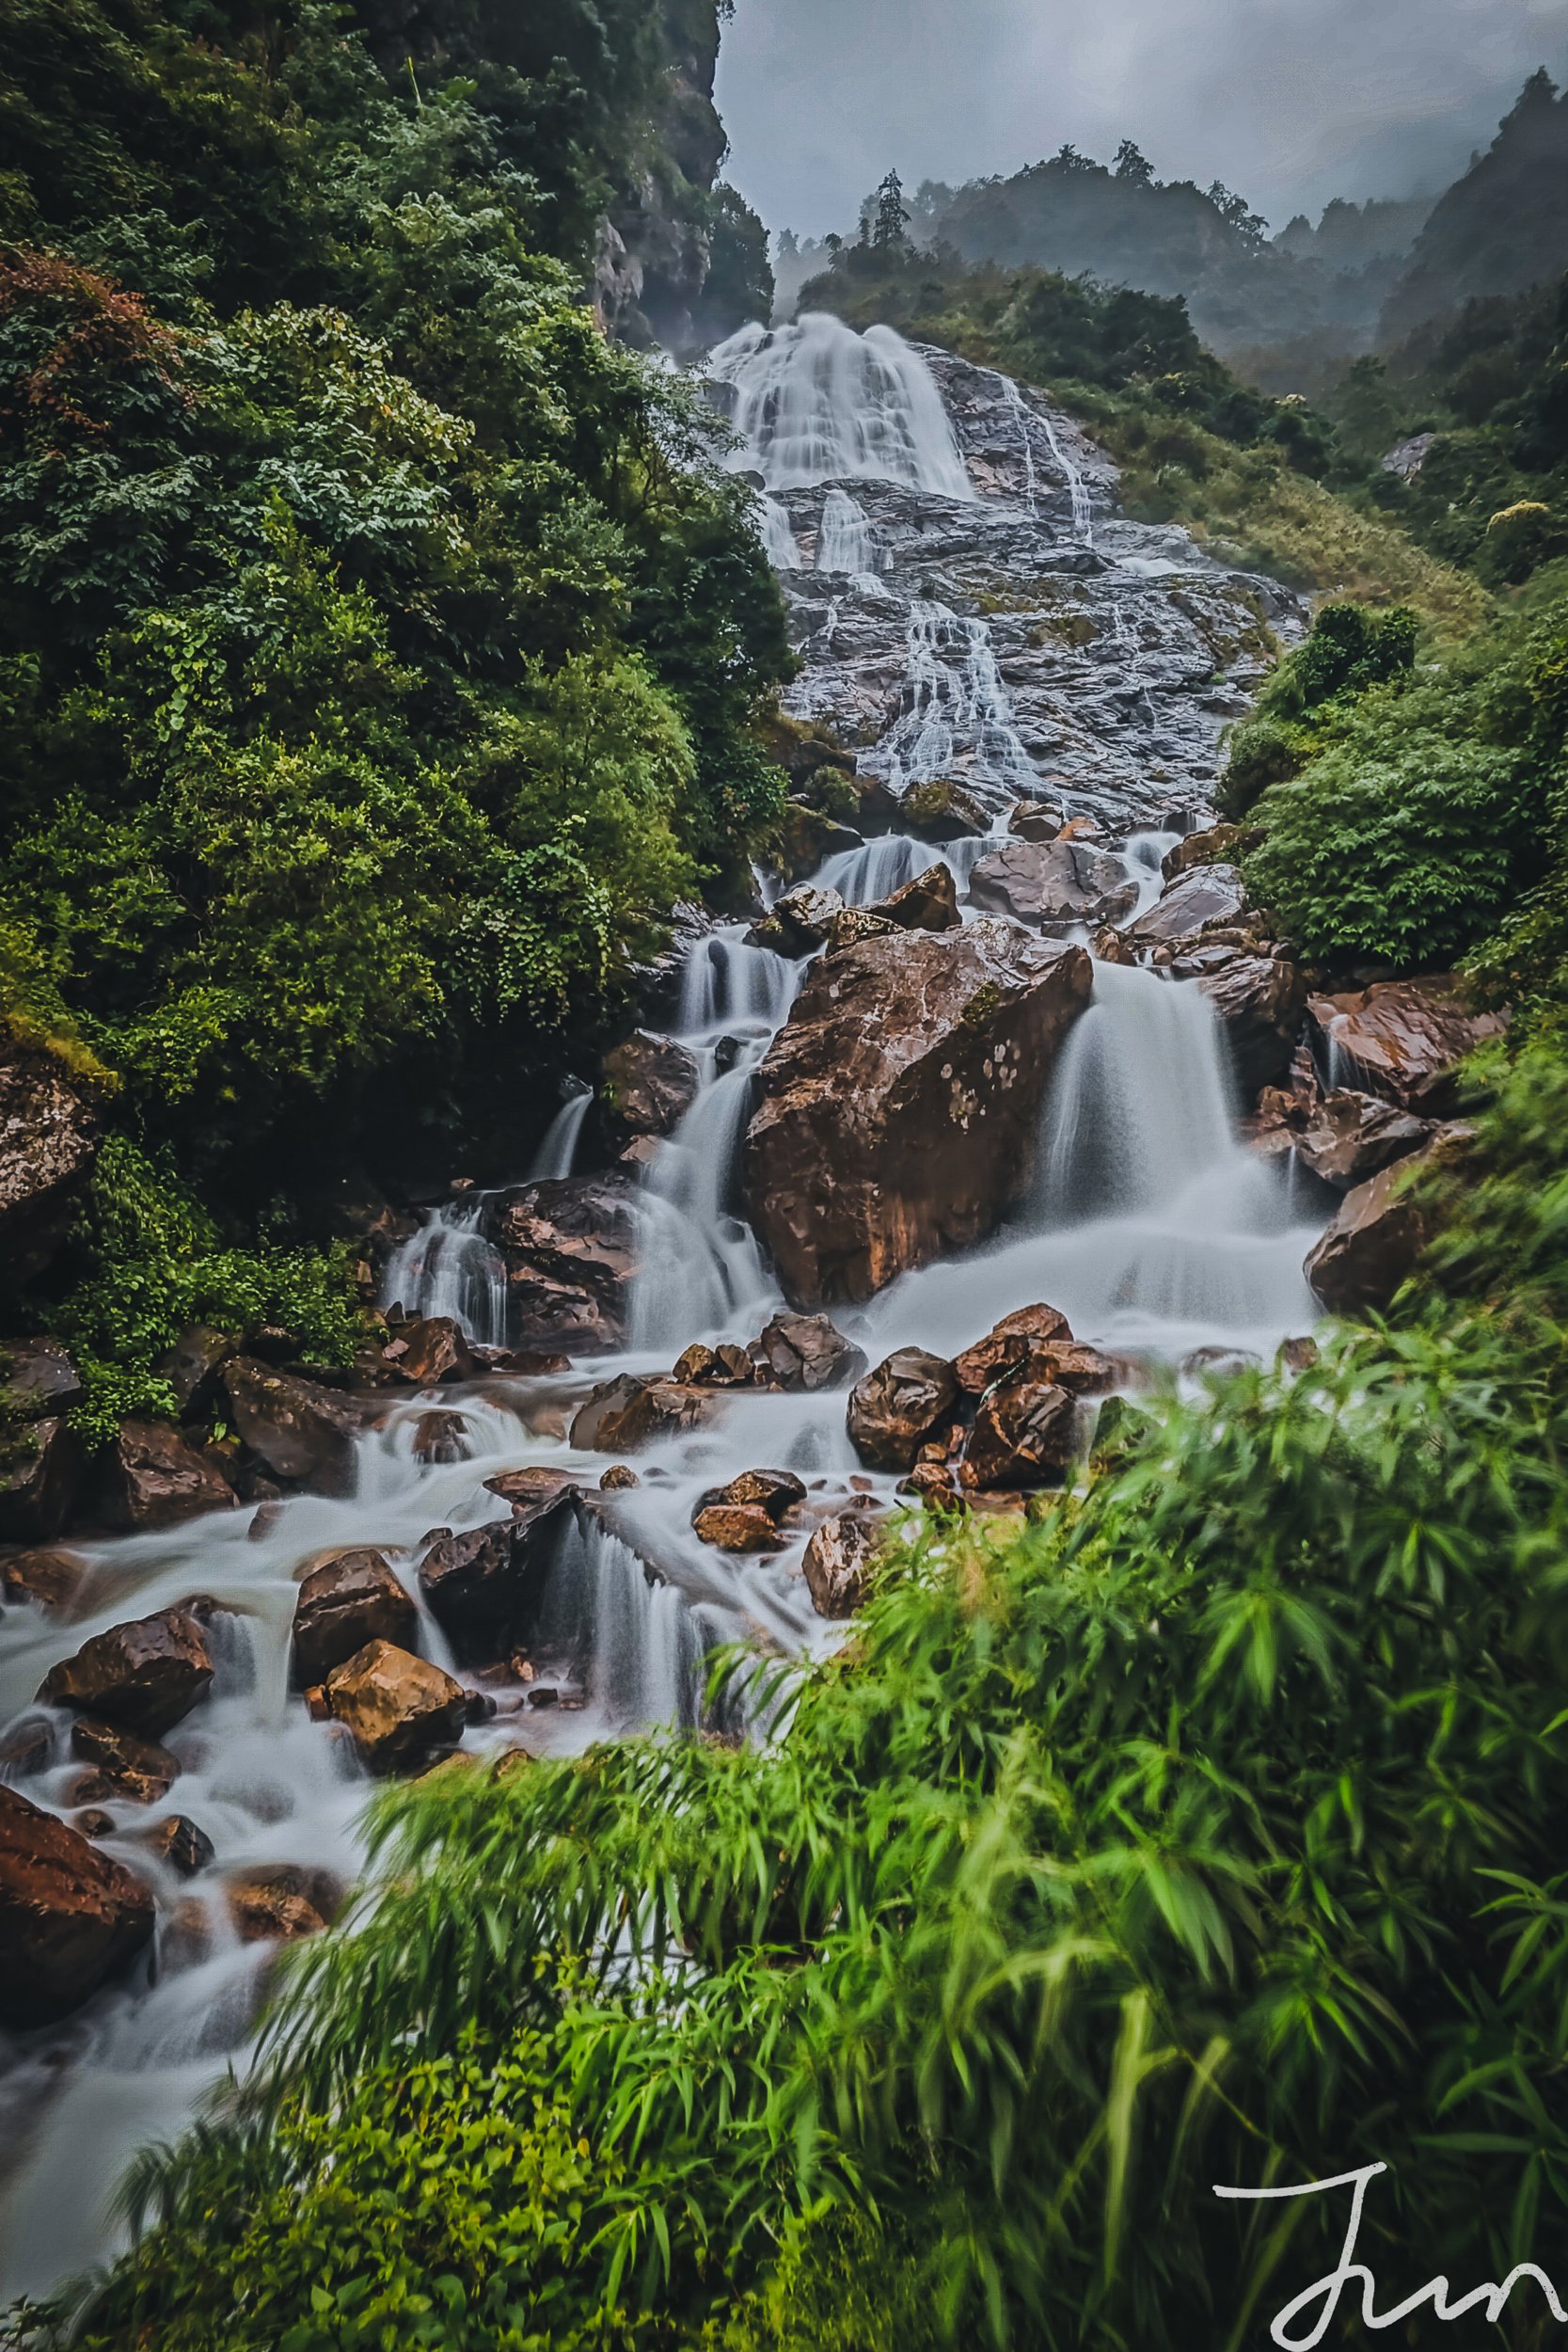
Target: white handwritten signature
[{"x": 1330, "y": 2289}]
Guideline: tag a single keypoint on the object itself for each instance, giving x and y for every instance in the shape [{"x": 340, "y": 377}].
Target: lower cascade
[{"x": 1035, "y": 732}]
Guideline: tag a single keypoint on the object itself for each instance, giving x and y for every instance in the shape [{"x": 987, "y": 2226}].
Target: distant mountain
[{"x": 1500, "y": 230}]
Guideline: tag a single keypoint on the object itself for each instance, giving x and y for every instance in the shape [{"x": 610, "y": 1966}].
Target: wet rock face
[
  {"x": 154, "y": 1477},
  {"x": 482, "y": 1585},
  {"x": 430, "y": 1350},
  {"x": 927, "y": 902},
  {"x": 1352, "y": 1138},
  {"x": 1403, "y": 1039},
  {"x": 902, "y": 1103},
  {"x": 346, "y": 1600},
  {"x": 304, "y": 1434},
  {"x": 146, "y": 1674},
  {"x": 49, "y": 1579},
  {"x": 70, "y": 1917},
  {"x": 1025, "y": 1435},
  {"x": 48, "y": 1137},
  {"x": 124, "y": 1767},
  {"x": 1371, "y": 1246},
  {"x": 1008, "y": 1346},
  {"x": 837, "y": 1564},
  {"x": 398, "y": 1708},
  {"x": 801, "y": 921},
  {"x": 1203, "y": 899},
  {"x": 1260, "y": 1002},
  {"x": 1054, "y": 884},
  {"x": 895, "y": 1408},
  {"x": 652, "y": 1082},
  {"x": 570, "y": 1249},
  {"x": 40, "y": 1468}
]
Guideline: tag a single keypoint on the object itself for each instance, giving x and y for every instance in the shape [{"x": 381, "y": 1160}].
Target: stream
[{"x": 970, "y": 604}]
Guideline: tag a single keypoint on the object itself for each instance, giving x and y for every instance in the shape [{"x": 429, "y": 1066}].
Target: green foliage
[
  {"x": 158, "y": 1264},
  {"x": 1415, "y": 808},
  {"x": 382, "y": 651}
]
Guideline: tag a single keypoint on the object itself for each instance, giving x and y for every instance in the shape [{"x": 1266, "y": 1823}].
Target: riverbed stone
[
  {"x": 179, "y": 1843},
  {"x": 1371, "y": 1246},
  {"x": 838, "y": 1562},
  {"x": 1007, "y": 1345},
  {"x": 483, "y": 1585},
  {"x": 895, "y": 1408},
  {"x": 70, "y": 1916},
  {"x": 152, "y": 1476},
  {"x": 146, "y": 1674},
  {"x": 46, "y": 1576},
  {"x": 1054, "y": 884},
  {"x": 1025, "y": 1435},
  {"x": 398, "y": 1708},
  {"x": 737, "y": 1527},
  {"x": 345, "y": 1601},
  {"x": 1351, "y": 1137},
  {"x": 305, "y": 1434},
  {"x": 927, "y": 902},
  {"x": 126, "y": 1766},
  {"x": 807, "y": 1353},
  {"x": 625, "y": 1415},
  {"x": 40, "y": 1476},
  {"x": 1197, "y": 901},
  {"x": 430, "y": 1350},
  {"x": 902, "y": 1101}
]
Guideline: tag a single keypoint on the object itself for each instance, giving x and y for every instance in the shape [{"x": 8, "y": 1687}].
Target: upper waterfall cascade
[{"x": 817, "y": 402}]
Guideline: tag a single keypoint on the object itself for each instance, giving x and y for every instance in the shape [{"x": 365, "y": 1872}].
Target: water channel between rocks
[{"x": 971, "y": 607}]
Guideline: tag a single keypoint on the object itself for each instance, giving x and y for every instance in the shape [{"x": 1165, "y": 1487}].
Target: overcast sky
[{"x": 1291, "y": 102}]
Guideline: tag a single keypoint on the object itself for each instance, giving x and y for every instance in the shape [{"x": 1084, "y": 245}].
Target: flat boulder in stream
[
  {"x": 70, "y": 1916},
  {"x": 805, "y": 1353},
  {"x": 1054, "y": 884},
  {"x": 628, "y": 1413},
  {"x": 902, "y": 1103},
  {"x": 570, "y": 1249}
]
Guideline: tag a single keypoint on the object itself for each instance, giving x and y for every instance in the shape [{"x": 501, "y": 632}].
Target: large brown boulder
[
  {"x": 902, "y": 1103},
  {"x": 650, "y": 1083},
  {"x": 49, "y": 1128},
  {"x": 153, "y": 1477},
  {"x": 480, "y": 1585},
  {"x": 307, "y": 1436},
  {"x": 927, "y": 902},
  {"x": 345, "y": 1601},
  {"x": 398, "y": 1708},
  {"x": 738, "y": 1527},
  {"x": 1261, "y": 1003},
  {"x": 46, "y": 1578},
  {"x": 1025, "y": 1435},
  {"x": 895, "y": 1408},
  {"x": 631, "y": 1412},
  {"x": 1054, "y": 884},
  {"x": 69, "y": 1916},
  {"x": 1349, "y": 1138},
  {"x": 801, "y": 921},
  {"x": 1371, "y": 1246},
  {"x": 40, "y": 1469},
  {"x": 807, "y": 1353},
  {"x": 570, "y": 1247},
  {"x": 146, "y": 1674},
  {"x": 1222, "y": 845},
  {"x": 1206, "y": 899},
  {"x": 837, "y": 1564},
  {"x": 1403, "y": 1040},
  {"x": 430, "y": 1350},
  {"x": 941, "y": 810}
]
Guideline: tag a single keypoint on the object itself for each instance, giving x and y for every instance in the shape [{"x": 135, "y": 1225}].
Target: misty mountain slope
[{"x": 1500, "y": 230}]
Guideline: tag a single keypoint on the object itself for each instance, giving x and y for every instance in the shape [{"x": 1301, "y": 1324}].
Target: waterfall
[
  {"x": 817, "y": 402},
  {"x": 727, "y": 983},
  {"x": 778, "y": 540},
  {"x": 878, "y": 868},
  {"x": 557, "y": 1154},
  {"x": 956, "y": 711},
  {"x": 449, "y": 1269},
  {"x": 843, "y": 542},
  {"x": 1151, "y": 1227},
  {"x": 1083, "y": 506}
]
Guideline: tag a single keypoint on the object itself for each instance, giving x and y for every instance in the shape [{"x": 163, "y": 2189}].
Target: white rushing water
[
  {"x": 449, "y": 1269},
  {"x": 778, "y": 539},
  {"x": 557, "y": 1157},
  {"x": 815, "y": 402},
  {"x": 957, "y": 717},
  {"x": 843, "y": 542}
]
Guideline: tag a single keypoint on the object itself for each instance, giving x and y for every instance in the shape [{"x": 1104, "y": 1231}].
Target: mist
[{"x": 1291, "y": 102}]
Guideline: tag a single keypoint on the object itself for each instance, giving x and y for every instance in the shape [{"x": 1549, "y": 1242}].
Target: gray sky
[{"x": 1290, "y": 101}]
